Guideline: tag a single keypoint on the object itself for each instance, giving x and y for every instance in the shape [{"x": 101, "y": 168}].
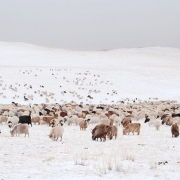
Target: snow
[
  {"x": 141, "y": 72},
  {"x": 78, "y": 157}
]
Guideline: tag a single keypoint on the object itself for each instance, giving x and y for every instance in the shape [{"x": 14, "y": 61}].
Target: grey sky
[{"x": 91, "y": 24}]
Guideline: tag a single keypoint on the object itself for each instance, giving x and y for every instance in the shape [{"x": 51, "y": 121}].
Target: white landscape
[{"x": 109, "y": 76}]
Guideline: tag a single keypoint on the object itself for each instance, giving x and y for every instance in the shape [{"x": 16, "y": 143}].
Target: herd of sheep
[
  {"x": 79, "y": 86},
  {"x": 105, "y": 118}
]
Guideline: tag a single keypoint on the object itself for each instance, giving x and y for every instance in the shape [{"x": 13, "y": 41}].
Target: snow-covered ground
[
  {"x": 108, "y": 76},
  {"x": 78, "y": 157},
  {"x": 141, "y": 73}
]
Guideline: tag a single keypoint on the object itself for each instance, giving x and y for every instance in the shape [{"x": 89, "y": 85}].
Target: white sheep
[
  {"x": 56, "y": 132},
  {"x": 157, "y": 124},
  {"x": 72, "y": 120}
]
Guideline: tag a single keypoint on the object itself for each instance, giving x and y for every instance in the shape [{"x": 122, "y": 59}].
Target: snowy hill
[
  {"x": 49, "y": 75},
  {"x": 140, "y": 72}
]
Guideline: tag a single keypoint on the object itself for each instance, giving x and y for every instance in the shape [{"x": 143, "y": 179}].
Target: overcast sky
[{"x": 91, "y": 24}]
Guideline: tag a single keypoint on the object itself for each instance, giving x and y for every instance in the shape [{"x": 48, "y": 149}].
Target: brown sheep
[
  {"x": 36, "y": 120},
  {"x": 20, "y": 129},
  {"x": 48, "y": 119},
  {"x": 132, "y": 127},
  {"x": 113, "y": 131},
  {"x": 100, "y": 131},
  {"x": 83, "y": 125},
  {"x": 175, "y": 130},
  {"x": 126, "y": 121},
  {"x": 101, "y": 126}
]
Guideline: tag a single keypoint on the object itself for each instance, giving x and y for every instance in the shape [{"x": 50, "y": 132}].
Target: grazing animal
[
  {"x": 90, "y": 97},
  {"x": 20, "y": 129},
  {"x": 36, "y": 120},
  {"x": 132, "y": 127},
  {"x": 112, "y": 132},
  {"x": 25, "y": 120},
  {"x": 100, "y": 131},
  {"x": 126, "y": 121},
  {"x": 48, "y": 119},
  {"x": 26, "y": 99},
  {"x": 175, "y": 130},
  {"x": 83, "y": 125},
  {"x": 56, "y": 132}
]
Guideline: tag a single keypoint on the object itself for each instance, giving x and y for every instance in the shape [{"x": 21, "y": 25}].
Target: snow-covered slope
[
  {"x": 107, "y": 76},
  {"x": 141, "y": 73}
]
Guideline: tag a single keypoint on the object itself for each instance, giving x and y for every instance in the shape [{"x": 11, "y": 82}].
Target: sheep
[
  {"x": 36, "y": 120},
  {"x": 132, "y": 127},
  {"x": 47, "y": 119},
  {"x": 126, "y": 121},
  {"x": 20, "y": 129},
  {"x": 100, "y": 131},
  {"x": 113, "y": 131},
  {"x": 56, "y": 132},
  {"x": 83, "y": 125}
]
